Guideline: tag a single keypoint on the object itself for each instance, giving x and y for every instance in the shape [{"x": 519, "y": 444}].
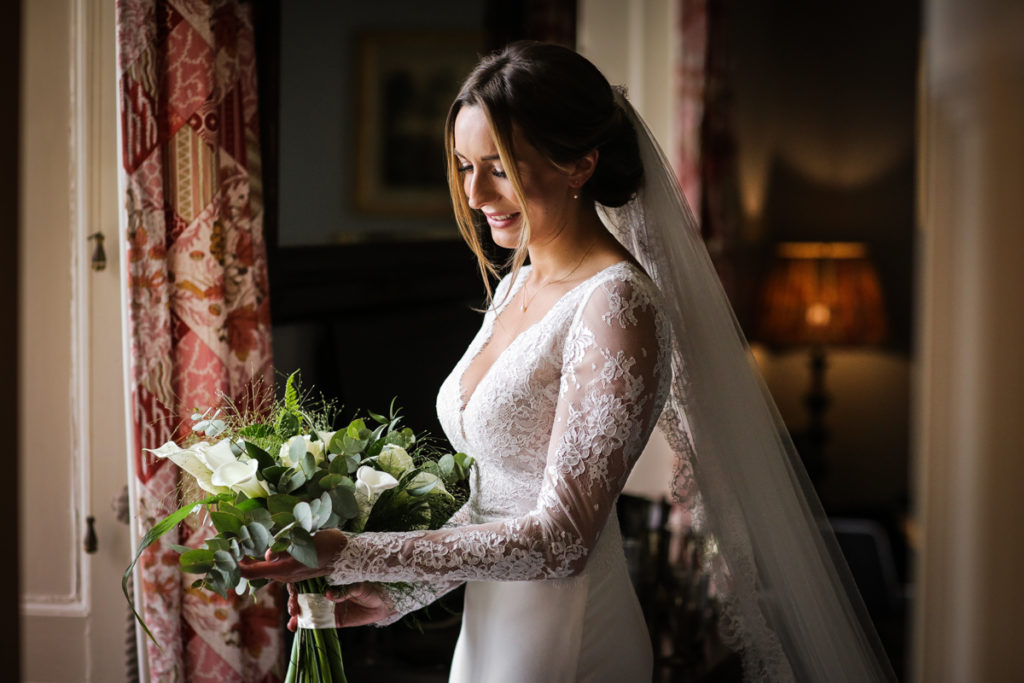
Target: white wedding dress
[{"x": 555, "y": 424}]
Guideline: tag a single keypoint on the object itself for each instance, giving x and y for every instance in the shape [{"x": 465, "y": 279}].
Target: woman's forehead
[{"x": 473, "y": 134}]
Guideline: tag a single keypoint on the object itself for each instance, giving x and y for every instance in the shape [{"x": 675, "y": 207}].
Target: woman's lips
[{"x": 502, "y": 220}]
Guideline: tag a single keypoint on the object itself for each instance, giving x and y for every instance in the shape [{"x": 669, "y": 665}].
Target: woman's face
[{"x": 488, "y": 189}]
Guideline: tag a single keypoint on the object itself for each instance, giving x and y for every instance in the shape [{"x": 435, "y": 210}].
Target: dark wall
[
  {"x": 10, "y": 70},
  {"x": 389, "y": 308},
  {"x": 824, "y": 104}
]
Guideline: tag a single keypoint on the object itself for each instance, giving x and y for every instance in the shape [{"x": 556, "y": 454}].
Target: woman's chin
[{"x": 505, "y": 238}]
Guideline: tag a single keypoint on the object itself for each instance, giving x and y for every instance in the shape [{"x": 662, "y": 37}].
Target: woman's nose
[{"x": 478, "y": 190}]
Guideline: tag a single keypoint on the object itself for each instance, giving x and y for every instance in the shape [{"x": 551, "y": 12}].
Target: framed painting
[{"x": 407, "y": 81}]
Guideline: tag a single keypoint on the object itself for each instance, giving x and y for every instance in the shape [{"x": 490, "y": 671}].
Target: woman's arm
[{"x": 613, "y": 384}]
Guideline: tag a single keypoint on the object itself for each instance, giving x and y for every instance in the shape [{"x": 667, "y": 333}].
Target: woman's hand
[
  {"x": 286, "y": 569},
  {"x": 356, "y": 605}
]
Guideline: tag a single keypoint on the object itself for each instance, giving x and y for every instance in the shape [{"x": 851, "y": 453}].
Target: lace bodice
[{"x": 555, "y": 426}]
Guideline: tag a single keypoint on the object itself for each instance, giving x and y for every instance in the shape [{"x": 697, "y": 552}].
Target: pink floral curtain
[
  {"x": 691, "y": 43},
  {"x": 198, "y": 315}
]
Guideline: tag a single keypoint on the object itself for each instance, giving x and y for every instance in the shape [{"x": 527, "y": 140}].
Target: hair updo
[{"x": 565, "y": 108}]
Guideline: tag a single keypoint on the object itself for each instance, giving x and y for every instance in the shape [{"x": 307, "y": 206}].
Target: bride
[{"x": 616, "y": 326}]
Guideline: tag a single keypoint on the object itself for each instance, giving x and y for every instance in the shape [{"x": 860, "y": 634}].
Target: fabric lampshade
[{"x": 822, "y": 293}]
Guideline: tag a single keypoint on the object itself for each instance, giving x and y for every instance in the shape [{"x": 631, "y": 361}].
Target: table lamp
[{"x": 819, "y": 295}]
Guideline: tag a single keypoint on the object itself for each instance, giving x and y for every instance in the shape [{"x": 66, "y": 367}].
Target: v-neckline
[{"x": 464, "y": 399}]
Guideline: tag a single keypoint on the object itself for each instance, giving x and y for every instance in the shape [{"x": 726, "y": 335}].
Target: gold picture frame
[{"x": 407, "y": 81}]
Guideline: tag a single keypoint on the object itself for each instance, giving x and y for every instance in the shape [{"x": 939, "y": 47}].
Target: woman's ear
[{"x": 582, "y": 169}]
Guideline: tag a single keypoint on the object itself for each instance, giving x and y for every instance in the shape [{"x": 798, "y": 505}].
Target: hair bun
[{"x": 619, "y": 170}]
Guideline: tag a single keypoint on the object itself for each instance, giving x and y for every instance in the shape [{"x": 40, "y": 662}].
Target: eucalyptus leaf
[
  {"x": 230, "y": 509},
  {"x": 260, "y": 538},
  {"x": 343, "y": 502},
  {"x": 197, "y": 561},
  {"x": 281, "y": 503},
  {"x": 259, "y": 515},
  {"x": 218, "y": 543},
  {"x": 224, "y": 522},
  {"x": 423, "y": 489},
  {"x": 446, "y": 463},
  {"x": 352, "y": 446},
  {"x": 224, "y": 560},
  {"x": 337, "y": 465},
  {"x": 330, "y": 481},
  {"x": 303, "y": 515},
  {"x": 258, "y": 454},
  {"x": 296, "y": 450},
  {"x": 273, "y": 474},
  {"x": 248, "y": 504},
  {"x": 324, "y": 511},
  {"x": 303, "y": 548},
  {"x": 291, "y": 481},
  {"x": 283, "y": 519},
  {"x": 337, "y": 444},
  {"x": 357, "y": 430},
  {"x": 308, "y": 464}
]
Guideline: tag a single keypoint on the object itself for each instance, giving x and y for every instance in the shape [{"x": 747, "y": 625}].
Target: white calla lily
[
  {"x": 370, "y": 483},
  {"x": 192, "y": 462},
  {"x": 215, "y": 455},
  {"x": 373, "y": 482},
  {"x": 240, "y": 477}
]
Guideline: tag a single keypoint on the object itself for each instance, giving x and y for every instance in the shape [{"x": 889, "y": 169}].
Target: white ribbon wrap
[{"x": 315, "y": 611}]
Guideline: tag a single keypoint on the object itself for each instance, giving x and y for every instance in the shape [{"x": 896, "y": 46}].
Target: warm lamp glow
[{"x": 822, "y": 293}]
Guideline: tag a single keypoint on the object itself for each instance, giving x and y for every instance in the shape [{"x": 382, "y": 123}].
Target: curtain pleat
[{"x": 198, "y": 304}]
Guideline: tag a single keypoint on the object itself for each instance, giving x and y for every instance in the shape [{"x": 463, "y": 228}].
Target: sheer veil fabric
[{"x": 789, "y": 605}]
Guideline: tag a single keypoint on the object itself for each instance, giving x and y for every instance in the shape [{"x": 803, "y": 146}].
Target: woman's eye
[
  {"x": 463, "y": 168},
  {"x": 498, "y": 173}
]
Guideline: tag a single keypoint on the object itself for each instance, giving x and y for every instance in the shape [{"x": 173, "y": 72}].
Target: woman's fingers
[
  {"x": 286, "y": 569},
  {"x": 293, "y": 601}
]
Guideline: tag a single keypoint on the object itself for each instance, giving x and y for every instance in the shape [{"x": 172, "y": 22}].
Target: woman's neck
[{"x": 564, "y": 255}]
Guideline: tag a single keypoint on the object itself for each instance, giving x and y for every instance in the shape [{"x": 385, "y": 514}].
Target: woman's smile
[{"x": 502, "y": 221}]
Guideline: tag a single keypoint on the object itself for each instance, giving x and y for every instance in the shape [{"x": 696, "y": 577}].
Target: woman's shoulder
[
  {"x": 621, "y": 288},
  {"x": 622, "y": 278}
]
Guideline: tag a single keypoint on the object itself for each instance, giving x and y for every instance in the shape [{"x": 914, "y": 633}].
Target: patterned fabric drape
[
  {"x": 691, "y": 43},
  {"x": 199, "y": 314}
]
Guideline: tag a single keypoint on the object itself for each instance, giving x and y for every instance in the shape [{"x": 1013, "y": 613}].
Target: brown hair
[{"x": 565, "y": 108}]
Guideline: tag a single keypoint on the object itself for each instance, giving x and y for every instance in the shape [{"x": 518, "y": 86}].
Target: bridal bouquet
[{"x": 274, "y": 484}]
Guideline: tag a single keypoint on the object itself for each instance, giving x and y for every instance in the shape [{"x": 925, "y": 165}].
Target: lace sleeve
[
  {"x": 407, "y": 598},
  {"x": 613, "y": 384}
]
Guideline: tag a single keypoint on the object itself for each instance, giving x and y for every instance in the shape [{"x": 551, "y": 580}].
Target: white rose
[
  {"x": 314, "y": 447},
  {"x": 394, "y": 459},
  {"x": 325, "y": 439}
]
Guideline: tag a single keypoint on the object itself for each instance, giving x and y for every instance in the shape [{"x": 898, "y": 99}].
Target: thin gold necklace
[{"x": 527, "y": 301}]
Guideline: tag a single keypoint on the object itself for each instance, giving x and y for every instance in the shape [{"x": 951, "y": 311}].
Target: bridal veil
[{"x": 789, "y": 605}]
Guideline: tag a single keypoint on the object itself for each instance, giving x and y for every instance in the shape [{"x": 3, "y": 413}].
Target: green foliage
[{"x": 314, "y": 487}]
